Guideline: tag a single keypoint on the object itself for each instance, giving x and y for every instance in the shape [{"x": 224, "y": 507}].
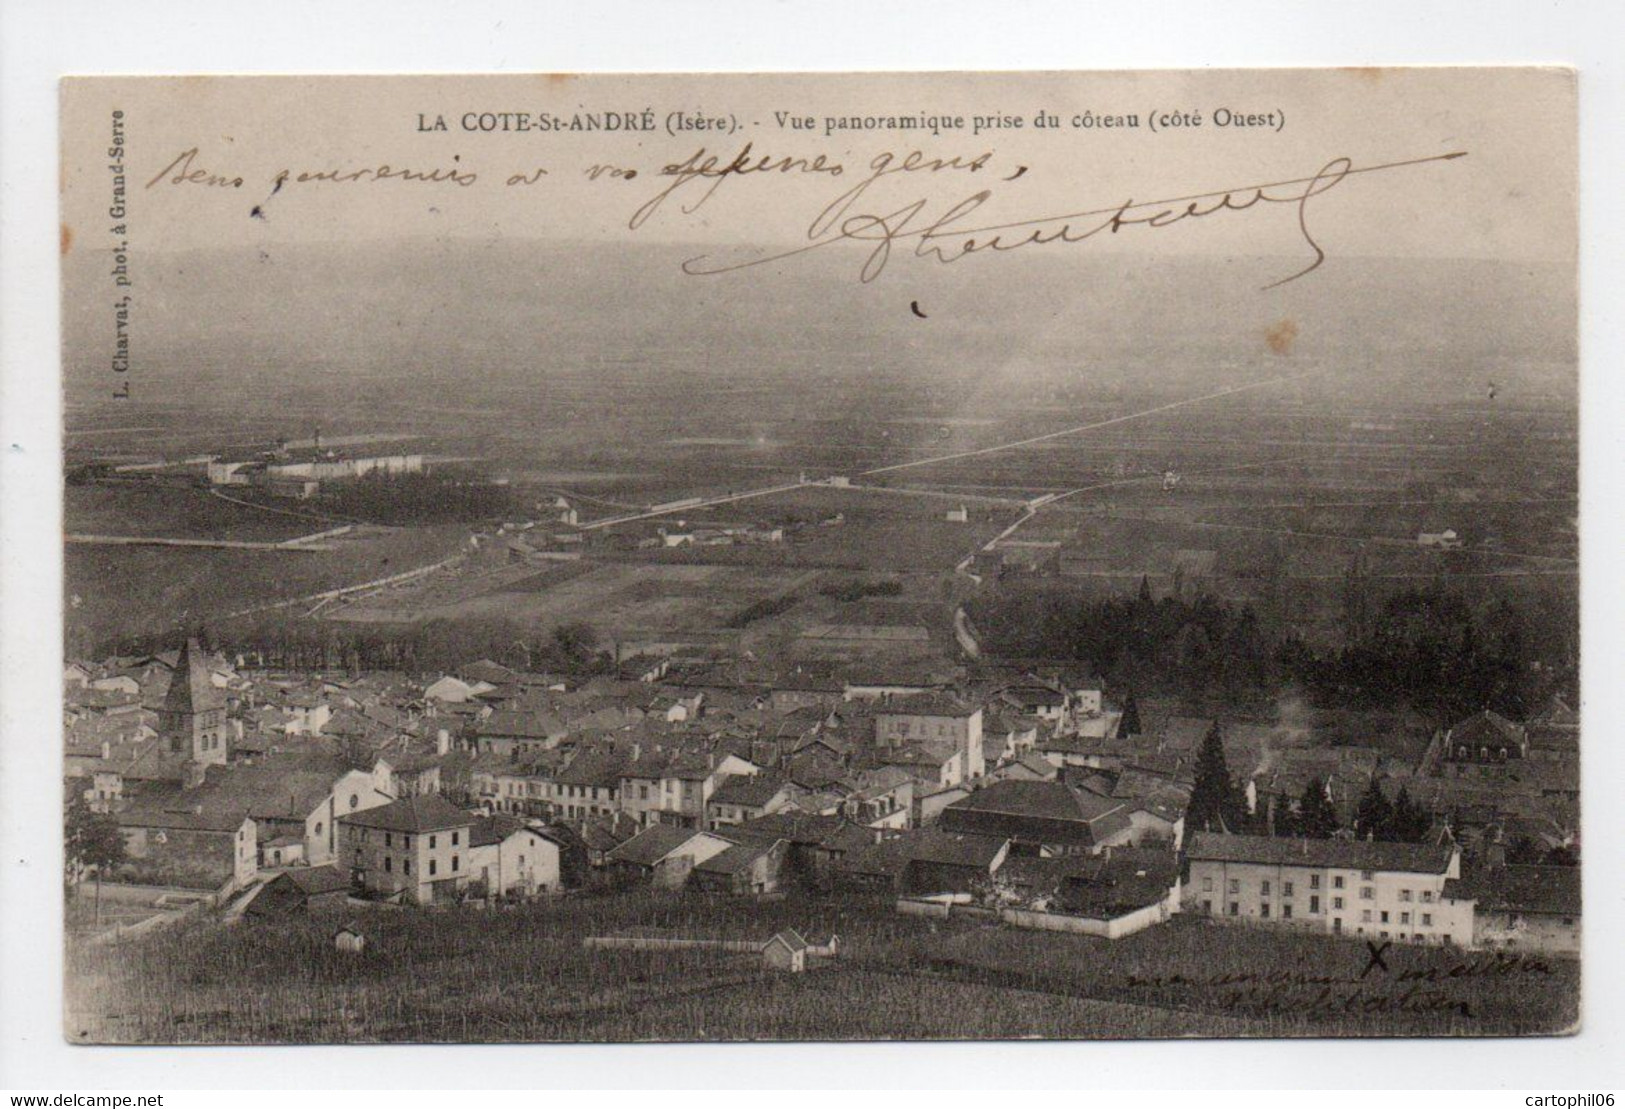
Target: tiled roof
[
  {"x": 522, "y": 724},
  {"x": 1344, "y": 854},
  {"x": 739, "y": 857},
  {"x": 1047, "y": 800},
  {"x": 1486, "y": 727},
  {"x": 933, "y": 845},
  {"x": 314, "y": 880},
  {"x": 488, "y": 830},
  {"x": 594, "y": 768},
  {"x": 190, "y": 690},
  {"x": 651, "y": 845},
  {"x": 1527, "y": 889},
  {"x": 750, "y": 790},
  {"x": 427, "y": 813},
  {"x": 926, "y": 704}
]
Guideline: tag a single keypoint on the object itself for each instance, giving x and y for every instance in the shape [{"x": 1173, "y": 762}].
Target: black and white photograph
[{"x": 598, "y": 559}]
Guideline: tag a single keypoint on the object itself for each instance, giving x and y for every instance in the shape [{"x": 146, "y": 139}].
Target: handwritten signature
[{"x": 951, "y": 235}]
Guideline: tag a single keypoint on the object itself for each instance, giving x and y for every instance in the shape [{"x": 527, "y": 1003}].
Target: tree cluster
[
  {"x": 404, "y": 500},
  {"x": 1400, "y": 820},
  {"x": 1194, "y": 646},
  {"x": 91, "y": 840},
  {"x": 283, "y": 641},
  {"x": 1217, "y": 804},
  {"x": 1428, "y": 648}
]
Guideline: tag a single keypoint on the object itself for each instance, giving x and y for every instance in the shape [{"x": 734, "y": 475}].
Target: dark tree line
[
  {"x": 1218, "y": 804},
  {"x": 1400, "y": 820},
  {"x": 284, "y": 641},
  {"x": 404, "y": 500},
  {"x": 1427, "y": 648},
  {"x": 1194, "y": 646}
]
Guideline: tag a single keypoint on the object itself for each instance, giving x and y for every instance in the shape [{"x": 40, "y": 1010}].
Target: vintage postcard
[{"x": 575, "y": 558}]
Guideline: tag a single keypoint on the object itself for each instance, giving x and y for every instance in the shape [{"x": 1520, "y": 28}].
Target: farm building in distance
[{"x": 299, "y": 472}]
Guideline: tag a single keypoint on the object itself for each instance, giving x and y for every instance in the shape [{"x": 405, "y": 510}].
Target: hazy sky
[{"x": 410, "y": 277}]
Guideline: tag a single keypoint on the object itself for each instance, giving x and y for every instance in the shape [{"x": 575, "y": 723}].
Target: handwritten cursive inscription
[{"x": 950, "y": 235}]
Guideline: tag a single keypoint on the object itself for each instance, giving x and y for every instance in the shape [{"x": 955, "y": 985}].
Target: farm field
[
  {"x": 849, "y": 529},
  {"x": 523, "y": 975},
  {"x": 175, "y": 512},
  {"x": 124, "y": 593},
  {"x": 616, "y": 598}
]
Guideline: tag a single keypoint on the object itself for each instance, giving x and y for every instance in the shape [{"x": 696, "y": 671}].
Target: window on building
[
  {"x": 1207, "y": 906},
  {"x": 1404, "y": 895},
  {"x": 389, "y": 840},
  {"x": 432, "y": 868},
  {"x": 454, "y": 836},
  {"x": 1286, "y": 889},
  {"x": 1314, "y": 903},
  {"x": 318, "y": 827},
  {"x": 1427, "y": 897},
  {"x": 432, "y": 842},
  {"x": 1207, "y": 885},
  {"x": 1337, "y": 881},
  {"x": 1264, "y": 887},
  {"x": 1404, "y": 918},
  {"x": 454, "y": 862},
  {"x": 1427, "y": 920},
  {"x": 354, "y": 800},
  {"x": 406, "y": 866},
  {"x": 1367, "y": 875},
  {"x": 1286, "y": 912},
  {"x": 389, "y": 864},
  {"x": 1367, "y": 893},
  {"x": 1235, "y": 885},
  {"x": 1385, "y": 916},
  {"x": 1365, "y": 916},
  {"x": 1314, "y": 881},
  {"x": 1264, "y": 909},
  {"x": 1235, "y": 908}
]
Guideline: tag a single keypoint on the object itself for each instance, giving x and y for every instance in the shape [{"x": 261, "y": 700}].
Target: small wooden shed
[
  {"x": 350, "y": 938},
  {"x": 786, "y": 951}
]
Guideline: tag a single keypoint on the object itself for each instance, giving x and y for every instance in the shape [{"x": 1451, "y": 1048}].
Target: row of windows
[
  {"x": 512, "y": 787},
  {"x": 1404, "y": 918},
  {"x": 406, "y": 864},
  {"x": 406, "y": 839},
  {"x": 1367, "y": 893},
  {"x": 1425, "y": 919},
  {"x": 1286, "y": 913}
]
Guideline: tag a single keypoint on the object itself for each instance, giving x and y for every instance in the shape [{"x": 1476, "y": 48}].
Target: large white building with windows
[
  {"x": 416, "y": 849},
  {"x": 1393, "y": 891}
]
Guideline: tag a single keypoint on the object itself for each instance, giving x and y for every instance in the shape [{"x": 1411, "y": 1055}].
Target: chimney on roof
[
  {"x": 442, "y": 742},
  {"x": 107, "y": 750}
]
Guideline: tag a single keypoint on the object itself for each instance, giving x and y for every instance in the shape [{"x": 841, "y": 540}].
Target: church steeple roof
[{"x": 190, "y": 690}]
